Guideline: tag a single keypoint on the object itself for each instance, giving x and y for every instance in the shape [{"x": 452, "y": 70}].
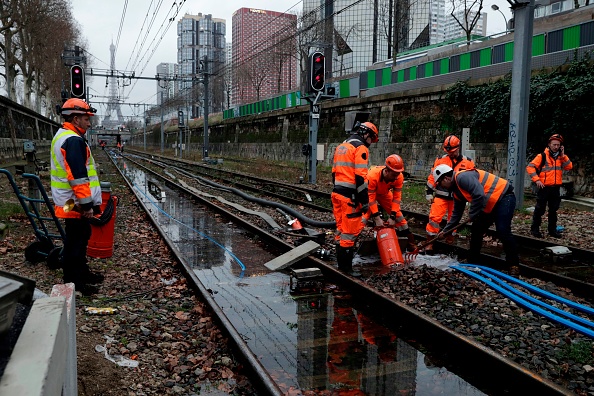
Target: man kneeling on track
[
  {"x": 385, "y": 188},
  {"x": 491, "y": 200}
]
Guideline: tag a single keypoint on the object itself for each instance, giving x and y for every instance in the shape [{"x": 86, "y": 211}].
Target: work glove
[
  {"x": 364, "y": 208},
  {"x": 429, "y": 197},
  {"x": 411, "y": 246},
  {"x": 378, "y": 222}
]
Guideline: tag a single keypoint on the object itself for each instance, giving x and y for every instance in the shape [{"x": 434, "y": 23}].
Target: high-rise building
[
  {"x": 166, "y": 89},
  {"x": 356, "y": 35},
  {"x": 264, "y": 54},
  {"x": 201, "y": 38},
  {"x": 453, "y": 30},
  {"x": 437, "y": 21}
]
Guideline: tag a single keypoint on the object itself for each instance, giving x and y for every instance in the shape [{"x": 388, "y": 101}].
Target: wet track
[
  {"x": 322, "y": 331},
  {"x": 308, "y": 339}
]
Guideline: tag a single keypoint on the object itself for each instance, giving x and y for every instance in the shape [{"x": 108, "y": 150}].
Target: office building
[{"x": 264, "y": 54}]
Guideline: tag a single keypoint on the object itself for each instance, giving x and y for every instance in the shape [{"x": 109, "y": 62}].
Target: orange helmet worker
[
  {"x": 349, "y": 196},
  {"x": 74, "y": 177},
  {"x": 546, "y": 171},
  {"x": 385, "y": 188},
  {"x": 443, "y": 202}
]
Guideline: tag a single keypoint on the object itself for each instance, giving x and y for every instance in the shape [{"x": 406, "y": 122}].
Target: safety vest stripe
[
  {"x": 345, "y": 184},
  {"x": 491, "y": 187}
]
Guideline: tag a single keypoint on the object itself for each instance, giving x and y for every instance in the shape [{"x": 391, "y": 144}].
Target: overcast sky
[{"x": 141, "y": 49}]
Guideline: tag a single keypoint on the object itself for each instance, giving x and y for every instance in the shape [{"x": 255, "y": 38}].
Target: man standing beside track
[
  {"x": 350, "y": 199},
  {"x": 385, "y": 188},
  {"x": 491, "y": 200},
  {"x": 73, "y": 176},
  {"x": 546, "y": 171},
  {"x": 443, "y": 202}
]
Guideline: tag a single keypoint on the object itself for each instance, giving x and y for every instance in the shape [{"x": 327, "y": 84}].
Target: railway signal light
[
  {"x": 77, "y": 82},
  {"x": 317, "y": 71}
]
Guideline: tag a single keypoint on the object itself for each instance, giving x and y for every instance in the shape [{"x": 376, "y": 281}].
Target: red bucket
[
  {"x": 389, "y": 249},
  {"x": 101, "y": 242}
]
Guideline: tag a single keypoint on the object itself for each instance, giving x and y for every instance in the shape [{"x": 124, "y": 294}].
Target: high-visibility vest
[
  {"x": 494, "y": 187},
  {"x": 458, "y": 164},
  {"x": 550, "y": 168},
  {"x": 63, "y": 184},
  {"x": 351, "y": 159}
]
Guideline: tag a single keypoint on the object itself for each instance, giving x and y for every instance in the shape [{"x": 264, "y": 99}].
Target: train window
[
  {"x": 555, "y": 41},
  {"x": 587, "y": 33},
  {"x": 498, "y": 54},
  {"x": 455, "y": 63}
]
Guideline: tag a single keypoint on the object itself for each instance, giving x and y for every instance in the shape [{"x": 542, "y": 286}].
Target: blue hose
[
  {"x": 193, "y": 229},
  {"x": 536, "y": 301},
  {"x": 521, "y": 301},
  {"x": 534, "y": 289}
]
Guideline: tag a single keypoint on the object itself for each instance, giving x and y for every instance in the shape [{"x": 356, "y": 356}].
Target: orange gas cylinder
[
  {"x": 101, "y": 242},
  {"x": 389, "y": 249}
]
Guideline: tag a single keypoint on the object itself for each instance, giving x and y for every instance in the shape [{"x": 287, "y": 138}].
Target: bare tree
[
  {"x": 395, "y": 25},
  {"x": 467, "y": 14},
  {"x": 310, "y": 33}
]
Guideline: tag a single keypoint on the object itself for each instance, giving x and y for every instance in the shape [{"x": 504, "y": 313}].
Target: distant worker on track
[
  {"x": 492, "y": 200},
  {"x": 443, "y": 202},
  {"x": 385, "y": 192},
  {"x": 350, "y": 199},
  {"x": 74, "y": 176},
  {"x": 546, "y": 171}
]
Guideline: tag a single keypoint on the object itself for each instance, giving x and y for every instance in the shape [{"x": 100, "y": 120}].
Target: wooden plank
[{"x": 292, "y": 256}]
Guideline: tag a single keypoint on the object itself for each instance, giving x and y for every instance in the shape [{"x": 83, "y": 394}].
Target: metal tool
[{"x": 409, "y": 257}]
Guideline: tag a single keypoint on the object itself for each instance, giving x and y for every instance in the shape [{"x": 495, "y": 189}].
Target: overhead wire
[
  {"x": 121, "y": 25},
  {"x": 139, "y": 34}
]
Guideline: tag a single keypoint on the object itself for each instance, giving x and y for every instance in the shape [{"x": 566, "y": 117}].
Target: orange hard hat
[
  {"x": 368, "y": 127},
  {"x": 556, "y": 136},
  {"x": 394, "y": 162},
  {"x": 77, "y": 106},
  {"x": 451, "y": 143}
]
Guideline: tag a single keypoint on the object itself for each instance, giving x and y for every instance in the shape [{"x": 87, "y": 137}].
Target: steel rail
[{"x": 400, "y": 316}]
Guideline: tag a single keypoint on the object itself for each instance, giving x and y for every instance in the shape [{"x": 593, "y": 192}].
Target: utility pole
[
  {"x": 162, "y": 129},
  {"x": 144, "y": 131},
  {"x": 520, "y": 97},
  {"x": 203, "y": 70},
  {"x": 181, "y": 124}
]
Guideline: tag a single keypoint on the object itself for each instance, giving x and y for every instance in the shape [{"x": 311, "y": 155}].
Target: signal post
[{"x": 316, "y": 84}]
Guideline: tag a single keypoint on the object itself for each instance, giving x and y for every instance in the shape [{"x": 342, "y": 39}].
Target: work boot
[
  {"x": 536, "y": 234},
  {"x": 450, "y": 239},
  {"x": 344, "y": 258},
  {"x": 555, "y": 234},
  {"x": 94, "y": 278},
  {"x": 86, "y": 290},
  {"x": 514, "y": 270}
]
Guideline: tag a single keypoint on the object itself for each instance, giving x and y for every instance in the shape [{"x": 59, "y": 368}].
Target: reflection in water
[{"x": 315, "y": 341}]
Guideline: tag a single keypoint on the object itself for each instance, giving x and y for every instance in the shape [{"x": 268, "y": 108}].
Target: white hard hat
[{"x": 440, "y": 170}]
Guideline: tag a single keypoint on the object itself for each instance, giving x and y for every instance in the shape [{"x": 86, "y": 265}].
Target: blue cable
[
  {"x": 580, "y": 307},
  {"x": 514, "y": 297},
  {"x": 193, "y": 229},
  {"x": 536, "y": 301}
]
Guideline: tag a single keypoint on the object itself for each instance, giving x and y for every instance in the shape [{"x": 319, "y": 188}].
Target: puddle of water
[{"x": 312, "y": 340}]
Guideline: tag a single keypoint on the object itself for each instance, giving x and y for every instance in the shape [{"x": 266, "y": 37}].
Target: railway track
[
  {"x": 440, "y": 337},
  {"x": 575, "y": 271}
]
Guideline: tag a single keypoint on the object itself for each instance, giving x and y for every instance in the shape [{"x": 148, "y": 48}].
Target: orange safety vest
[
  {"x": 551, "y": 169},
  {"x": 458, "y": 164},
  {"x": 351, "y": 159},
  {"x": 380, "y": 190},
  {"x": 494, "y": 187}
]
